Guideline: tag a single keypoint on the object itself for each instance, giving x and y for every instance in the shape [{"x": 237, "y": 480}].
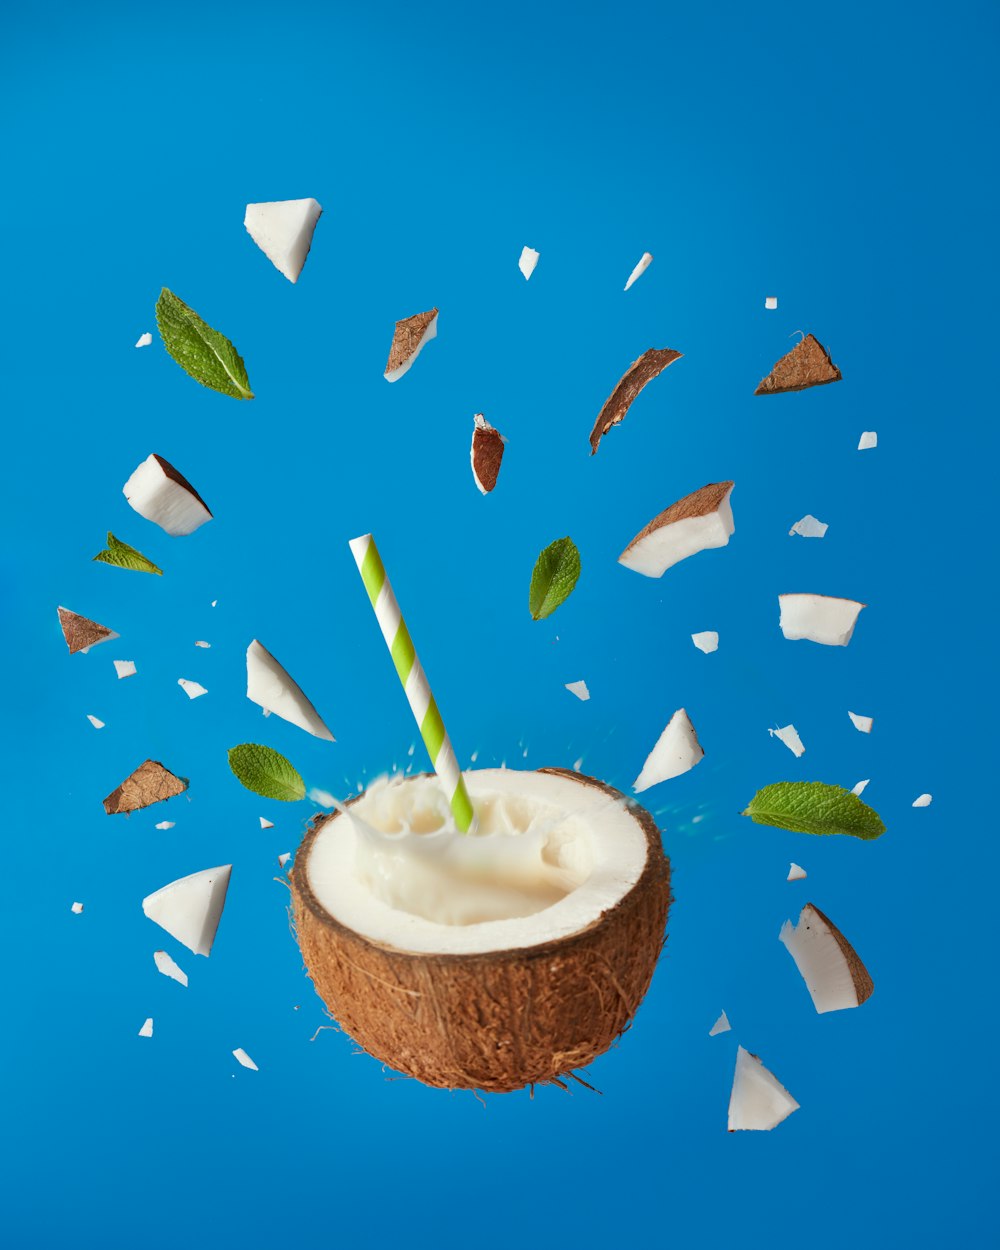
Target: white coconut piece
[
  {"x": 168, "y": 968},
  {"x": 863, "y": 724},
  {"x": 147, "y": 1028},
  {"x": 645, "y": 260},
  {"x": 144, "y": 340},
  {"x": 165, "y": 824},
  {"x": 699, "y": 521},
  {"x": 819, "y": 618},
  {"x": 270, "y": 687},
  {"x": 283, "y": 230},
  {"x": 265, "y": 823},
  {"x": 923, "y": 801},
  {"x": 759, "y": 1101},
  {"x": 124, "y": 668},
  {"x": 409, "y": 339},
  {"x": 284, "y": 858},
  {"x": 707, "y": 641},
  {"x": 809, "y": 527},
  {"x": 677, "y": 750},
  {"x": 76, "y": 909},
  {"x": 527, "y": 261},
  {"x": 834, "y": 975},
  {"x": 859, "y": 788},
  {"x": 721, "y": 1025},
  {"x": 214, "y": 602},
  {"x": 869, "y": 439},
  {"x": 190, "y": 908},
  {"x": 323, "y": 797},
  {"x": 206, "y": 645},
  {"x": 191, "y": 688},
  {"x": 795, "y": 873},
  {"x": 98, "y": 724},
  {"x": 579, "y": 688},
  {"x": 770, "y": 302},
  {"x": 790, "y": 737},
  {"x": 162, "y": 495},
  {"x": 241, "y": 1057}
]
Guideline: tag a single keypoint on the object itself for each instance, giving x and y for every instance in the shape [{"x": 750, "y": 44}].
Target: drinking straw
[{"x": 414, "y": 679}]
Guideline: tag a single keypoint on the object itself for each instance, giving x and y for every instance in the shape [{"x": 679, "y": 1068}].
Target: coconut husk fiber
[
  {"x": 80, "y": 632},
  {"x": 406, "y": 338},
  {"x": 807, "y": 364},
  {"x": 150, "y": 783},
  {"x": 649, "y": 365}
]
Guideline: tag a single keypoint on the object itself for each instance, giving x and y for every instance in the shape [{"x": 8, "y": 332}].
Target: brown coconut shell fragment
[
  {"x": 807, "y": 364},
  {"x": 80, "y": 632},
  {"x": 407, "y": 340},
  {"x": 649, "y": 365},
  {"x": 500, "y": 1020},
  {"x": 864, "y": 986},
  {"x": 701, "y": 502},
  {"x": 176, "y": 476},
  {"x": 486, "y": 454},
  {"x": 150, "y": 783}
]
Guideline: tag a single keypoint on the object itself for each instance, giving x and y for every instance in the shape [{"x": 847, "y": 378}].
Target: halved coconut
[
  {"x": 150, "y": 783},
  {"x": 649, "y": 365},
  {"x": 283, "y": 230},
  {"x": 486, "y": 453},
  {"x": 81, "y": 633},
  {"x": 270, "y": 687},
  {"x": 819, "y": 618},
  {"x": 834, "y": 975},
  {"x": 643, "y": 263},
  {"x": 190, "y": 908},
  {"x": 408, "y": 341},
  {"x": 575, "y": 888},
  {"x": 162, "y": 495},
  {"x": 807, "y": 364},
  {"x": 759, "y": 1100},
  {"x": 695, "y": 523},
  {"x": 721, "y": 1025},
  {"x": 677, "y": 751},
  {"x": 527, "y": 261}
]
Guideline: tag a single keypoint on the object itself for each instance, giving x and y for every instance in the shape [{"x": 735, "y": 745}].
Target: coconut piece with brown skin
[
  {"x": 830, "y": 966},
  {"x": 150, "y": 783},
  {"x": 408, "y": 341},
  {"x": 807, "y": 364},
  {"x": 486, "y": 453},
  {"x": 81, "y": 633},
  {"x": 640, "y": 372},
  {"x": 158, "y": 492},
  {"x": 502, "y": 1004},
  {"x": 699, "y": 521}
]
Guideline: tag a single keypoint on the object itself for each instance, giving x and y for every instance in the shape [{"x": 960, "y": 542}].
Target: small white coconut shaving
[
  {"x": 191, "y": 688},
  {"x": 144, "y": 340},
  {"x": 809, "y": 527},
  {"x": 283, "y": 859},
  {"x": 203, "y": 644},
  {"x": 241, "y": 1057},
  {"x": 707, "y": 641},
  {"x": 147, "y": 1028},
  {"x": 579, "y": 688},
  {"x": 169, "y": 969},
  {"x": 190, "y": 908},
  {"x": 265, "y": 823},
  {"x": 527, "y": 262},
  {"x": 323, "y": 797},
  {"x": 759, "y": 1101},
  {"x": 859, "y": 788},
  {"x": 868, "y": 440},
  {"x": 645, "y": 260},
  {"x": 863, "y": 724},
  {"x": 790, "y": 737},
  {"x": 214, "y": 602},
  {"x": 721, "y": 1025},
  {"x": 795, "y": 873},
  {"x": 165, "y": 824},
  {"x": 676, "y": 751},
  {"x": 124, "y": 668},
  {"x": 76, "y": 909},
  {"x": 98, "y": 724},
  {"x": 770, "y": 302},
  {"x": 923, "y": 801}
]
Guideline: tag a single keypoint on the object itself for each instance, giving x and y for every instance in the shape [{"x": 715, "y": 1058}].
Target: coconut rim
[{"x": 657, "y": 864}]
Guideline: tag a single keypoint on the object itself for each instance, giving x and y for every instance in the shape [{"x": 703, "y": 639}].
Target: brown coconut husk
[
  {"x": 486, "y": 454},
  {"x": 150, "y": 783},
  {"x": 80, "y": 632},
  {"x": 496, "y": 1021},
  {"x": 864, "y": 986},
  {"x": 649, "y": 365},
  {"x": 702, "y": 502},
  {"x": 807, "y": 364},
  {"x": 406, "y": 338}
]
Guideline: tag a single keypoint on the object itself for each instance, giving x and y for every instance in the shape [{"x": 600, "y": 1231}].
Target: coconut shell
[
  {"x": 406, "y": 338},
  {"x": 487, "y": 453},
  {"x": 500, "y": 1020},
  {"x": 649, "y": 365},
  {"x": 80, "y": 632},
  {"x": 807, "y": 364},
  {"x": 864, "y": 986},
  {"x": 701, "y": 502},
  {"x": 149, "y": 784},
  {"x": 175, "y": 476}
]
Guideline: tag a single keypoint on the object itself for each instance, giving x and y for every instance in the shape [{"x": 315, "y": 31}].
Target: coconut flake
[
  {"x": 807, "y": 364},
  {"x": 834, "y": 975},
  {"x": 923, "y": 801},
  {"x": 162, "y": 495},
  {"x": 203, "y": 644},
  {"x": 265, "y": 823},
  {"x": 721, "y": 1025},
  {"x": 639, "y": 373},
  {"x": 795, "y": 873},
  {"x": 76, "y": 909},
  {"x": 408, "y": 340},
  {"x": 707, "y": 641},
  {"x": 168, "y": 968},
  {"x": 677, "y": 750},
  {"x": 809, "y": 527},
  {"x": 869, "y": 439},
  {"x": 858, "y": 789},
  {"x": 324, "y": 798},
  {"x": 98, "y": 724},
  {"x": 819, "y": 618},
  {"x": 759, "y": 1101},
  {"x": 147, "y": 1028},
  {"x": 579, "y": 688},
  {"x": 863, "y": 724},
  {"x": 790, "y": 737},
  {"x": 190, "y": 908},
  {"x": 486, "y": 453},
  {"x": 144, "y": 340},
  {"x": 699, "y": 521},
  {"x": 150, "y": 783},
  {"x": 241, "y": 1057},
  {"x": 270, "y": 687},
  {"x": 81, "y": 633},
  {"x": 527, "y": 261},
  {"x": 165, "y": 824},
  {"x": 191, "y": 688},
  {"x": 283, "y": 230},
  {"x": 770, "y": 302},
  {"x": 124, "y": 668},
  {"x": 214, "y": 602},
  {"x": 645, "y": 260},
  {"x": 284, "y": 858}
]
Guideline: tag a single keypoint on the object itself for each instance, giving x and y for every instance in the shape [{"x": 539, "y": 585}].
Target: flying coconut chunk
[
  {"x": 790, "y": 737},
  {"x": 643, "y": 263},
  {"x": 770, "y": 302},
  {"x": 807, "y": 364},
  {"x": 486, "y": 453},
  {"x": 205, "y": 645},
  {"x": 283, "y": 230},
  {"x": 677, "y": 751},
  {"x": 147, "y": 1028},
  {"x": 809, "y": 527},
  {"x": 150, "y": 783},
  {"x": 144, "y": 340},
  {"x": 81, "y": 633},
  {"x": 270, "y": 687},
  {"x": 162, "y": 495},
  {"x": 707, "y": 641},
  {"x": 168, "y": 968},
  {"x": 695, "y": 523},
  {"x": 868, "y": 440},
  {"x": 859, "y": 788},
  {"x": 165, "y": 824},
  {"x": 408, "y": 341},
  {"x": 124, "y": 668},
  {"x": 284, "y": 858},
  {"x": 923, "y": 801},
  {"x": 527, "y": 261},
  {"x": 759, "y": 1101},
  {"x": 190, "y": 908},
  {"x": 640, "y": 372},
  {"x": 795, "y": 873},
  {"x": 721, "y": 1025},
  {"x": 579, "y": 688},
  {"x": 265, "y": 823},
  {"x": 98, "y": 724},
  {"x": 863, "y": 724},
  {"x": 242, "y": 1058},
  {"x": 77, "y": 909},
  {"x": 834, "y": 975},
  {"x": 818, "y": 618},
  {"x": 191, "y": 688}
]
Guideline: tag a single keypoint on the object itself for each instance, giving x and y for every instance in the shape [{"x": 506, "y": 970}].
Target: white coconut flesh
[
  {"x": 819, "y": 618},
  {"x": 550, "y": 855},
  {"x": 190, "y": 909},
  {"x": 758, "y": 1101},
  {"x": 834, "y": 975},
  {"x": 283, "y": 230},
  {"x": 160, "y": 494},
  {"x": 677, "y": 751},
  {"x": 270, "y": 687},
  {"x": 665, "y": 546}
]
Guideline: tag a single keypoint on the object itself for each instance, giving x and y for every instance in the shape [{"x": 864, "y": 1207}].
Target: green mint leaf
[
  {"x": 814, "y": 807},
  {"x": 267, "y": 773},
  {"x": 204, "y": 353},
  {"x": 122, "y": 556},
  {"x": 554, "y": 576}
]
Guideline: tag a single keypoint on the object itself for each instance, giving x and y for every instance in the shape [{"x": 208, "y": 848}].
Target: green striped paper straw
[{"x": 414, "y": 679}]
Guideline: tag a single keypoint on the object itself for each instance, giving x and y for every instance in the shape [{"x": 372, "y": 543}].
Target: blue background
[{"x": 837, "y": 158}]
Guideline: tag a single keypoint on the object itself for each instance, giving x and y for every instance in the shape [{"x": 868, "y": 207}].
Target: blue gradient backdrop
[{"x": 837, "y": 158}]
